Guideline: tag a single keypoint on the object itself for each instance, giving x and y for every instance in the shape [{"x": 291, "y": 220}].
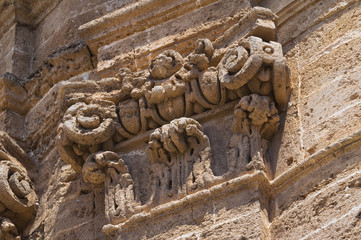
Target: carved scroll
[
  {"x": 87, "y": 128},
  {"x": 258, "y": 65},
  {"x": 17, "y": 194}
]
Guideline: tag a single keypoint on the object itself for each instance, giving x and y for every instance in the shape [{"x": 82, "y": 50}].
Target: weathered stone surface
[{"x": 180, "y": 119}]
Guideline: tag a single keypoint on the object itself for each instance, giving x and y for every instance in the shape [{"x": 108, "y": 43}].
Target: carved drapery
[{"x": 164, "y": 98}]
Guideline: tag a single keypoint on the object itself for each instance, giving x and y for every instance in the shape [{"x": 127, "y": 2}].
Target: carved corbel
[{"x": 236, "y": 66}]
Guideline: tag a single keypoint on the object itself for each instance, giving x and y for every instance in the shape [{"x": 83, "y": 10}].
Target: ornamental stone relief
[
  {"x": 18, "y": 197},
  {"x": 250, "y": 72}
]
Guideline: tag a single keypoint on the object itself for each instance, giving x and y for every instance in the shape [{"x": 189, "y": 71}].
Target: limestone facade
[{"x": 180, "y": 119}]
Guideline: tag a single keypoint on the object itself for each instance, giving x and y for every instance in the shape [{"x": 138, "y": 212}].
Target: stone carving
[
  {"x": 8, "y": 230},
  {"x": 180, "y": 156},
  {"x": 259, "y": 65},
  {"x": 87, "y": 128},
  {"x": 256, "y": 120},
  {"x": 17, "y": 195},
  {"x": 165, "y": 65},
  {"x": 64, "y": 63},
  {"x": 180, "y": 153},
  {"x": 108, "y": 168},
  {"x": 172, "y": 88},
  {"x": 164, "y": 98}
]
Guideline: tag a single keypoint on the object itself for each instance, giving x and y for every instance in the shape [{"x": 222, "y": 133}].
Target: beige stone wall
[
  {"x": 321, "y": 45},
  {"x": 61, "y": 26},
  {"x": 310, "y": 186}
]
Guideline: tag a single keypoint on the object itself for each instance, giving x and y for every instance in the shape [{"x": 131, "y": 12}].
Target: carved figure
[
  {"x": 205, "y": 81},
  {"x": 174, "y": 88},
  {"x": 257, "y": 120},
  {"x": 165, "y": 65},
  {"x": 164, "y": 97}
]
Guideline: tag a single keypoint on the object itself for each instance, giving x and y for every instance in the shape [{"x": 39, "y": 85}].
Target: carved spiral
[
  {"x": 17, "y": 192},
  {"x": 237, "y": 68},
  {"x": 234, "y": 59},
  {"x": 89, "y": 124},
  {"x": 204, "y": 46}
]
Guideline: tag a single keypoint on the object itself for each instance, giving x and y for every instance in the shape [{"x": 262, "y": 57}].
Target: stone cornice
[
  {"x": 257, "y": 22},
  {"x": 133, "y": 18}
]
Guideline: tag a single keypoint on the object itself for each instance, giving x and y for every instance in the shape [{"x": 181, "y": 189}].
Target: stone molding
[{"x": 256, "y": 22}]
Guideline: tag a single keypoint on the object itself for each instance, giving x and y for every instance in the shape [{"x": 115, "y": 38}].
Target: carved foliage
[
  {"x": 180, "y": 154},
  {"x": 173, "y": 88},
  {"x": 180, "y": 164},
  {"x": 108, "y": 168},
  {"x": 163, "y": 98}
]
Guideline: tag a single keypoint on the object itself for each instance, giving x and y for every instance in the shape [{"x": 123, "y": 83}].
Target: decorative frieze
[{"x": 172, "y": 89}]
